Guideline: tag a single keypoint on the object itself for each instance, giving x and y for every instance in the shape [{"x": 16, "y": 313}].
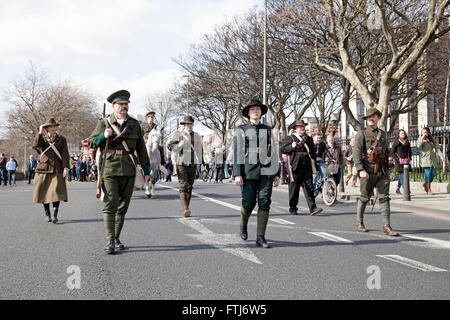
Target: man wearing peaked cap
[
  {"x": 147, "y": 126},
  {"x": 121, "y": 96},
  {"x": 120, "y": 137}
]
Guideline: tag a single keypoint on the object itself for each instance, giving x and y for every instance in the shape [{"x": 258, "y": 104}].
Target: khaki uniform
[
  {"x": 378, "y": 177},
  {"x": 188, "y": 157},
  {"x": 49, "y": 184},
  {"x": 146, "y": 128},
  {"x": 119, "y": 171}
]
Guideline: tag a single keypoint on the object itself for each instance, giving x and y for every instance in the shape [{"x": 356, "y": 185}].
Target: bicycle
[{"x": 326, "y": 185}]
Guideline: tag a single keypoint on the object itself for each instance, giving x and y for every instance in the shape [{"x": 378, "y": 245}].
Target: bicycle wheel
[{"x": 329, "y": 192}]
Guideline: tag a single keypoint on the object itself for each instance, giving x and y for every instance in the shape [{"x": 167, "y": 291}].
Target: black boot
[
  {"x": 119, "y": 245},
  {"x": 47, "y": 213},
  {"x": 261, "y": 242},
  {"x": 109, "y": 249},
  {"x": 55, "y": 215},
  {"x": 244, "y": 234}
]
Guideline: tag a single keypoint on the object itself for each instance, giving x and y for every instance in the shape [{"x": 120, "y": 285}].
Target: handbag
[{"x": 403, "y": 160}]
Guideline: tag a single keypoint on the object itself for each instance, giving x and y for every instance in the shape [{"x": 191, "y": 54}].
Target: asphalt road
[{"x": 203, "y": 258}]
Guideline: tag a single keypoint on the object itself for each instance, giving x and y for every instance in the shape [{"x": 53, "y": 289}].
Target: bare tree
[
  {"x": 34, "y": 99},
  {"x": 406, "y": 30},
  {"x": 164, "y": 106}
]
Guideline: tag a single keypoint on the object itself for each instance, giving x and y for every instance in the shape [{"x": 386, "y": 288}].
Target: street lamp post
[
  {"x": 25, "y": 159},
  {"x": 265, "y": 58},
  {"x": 187, "y": 93}
]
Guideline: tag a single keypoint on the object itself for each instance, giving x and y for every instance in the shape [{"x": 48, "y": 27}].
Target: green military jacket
[
  {"x": 248, "y": 162},
  {"x": 363, "y": 141},
  {"x": 116, "y": 164},
  {"x": 146, "y": 128}
]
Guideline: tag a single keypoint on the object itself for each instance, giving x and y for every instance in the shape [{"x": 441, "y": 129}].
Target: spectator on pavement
[
  {"x": 334, "y": 153},
  {"x": 352, "y": 173},
  {"x": 31, "y": 168},
  {"x": 429, "y": 160},
  {"x": 11, "y": 167},
  {"x": 401, "y": 153},
  {"x": 319, "y": 147},
  {"x": 3, "y": 172}
]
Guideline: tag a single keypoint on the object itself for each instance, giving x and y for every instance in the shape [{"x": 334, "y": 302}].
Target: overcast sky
[{"x": 106, "y": 45}]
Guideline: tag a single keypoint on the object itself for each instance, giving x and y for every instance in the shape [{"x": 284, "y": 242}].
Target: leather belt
[
  {"x": 300, "y": 152},
  {"x": 119, "y": 152}
]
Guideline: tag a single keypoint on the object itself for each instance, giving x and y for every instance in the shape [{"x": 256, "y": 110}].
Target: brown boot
[
  {"x": 188, "y": 202},
  {"x": 360, "y": 227},
  {"x": 184, "y": 205},
  {"x": 429, "y": 189},
  {"x": 387, "y": 230},
  {"x": 425, "y": 187}
]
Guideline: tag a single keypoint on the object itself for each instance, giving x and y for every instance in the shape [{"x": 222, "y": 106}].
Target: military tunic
[
  {"x": 251, "y": 160},
  {"x": 119, "y": 171},
  {"x": 49, "y": 184},
  {"x": 187, "y": 157},
  {"x": 146, "y": 128}
]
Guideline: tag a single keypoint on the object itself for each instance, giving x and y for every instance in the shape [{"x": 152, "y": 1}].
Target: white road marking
[
  {"x": 281, "y": 221},
  {"x": 196, "y": 225},
  {"x": 230, "y": 243},
  {"x": 411, "y": 263},
  {"x": 426, "y": 242},
  {"x": 331, "y": 237}
]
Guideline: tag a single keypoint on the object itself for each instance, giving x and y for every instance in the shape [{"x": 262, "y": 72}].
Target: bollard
[{"x": 406, "y": 189}]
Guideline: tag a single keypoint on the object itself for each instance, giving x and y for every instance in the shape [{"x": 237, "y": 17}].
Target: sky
[{"x": 106, "y": 45}]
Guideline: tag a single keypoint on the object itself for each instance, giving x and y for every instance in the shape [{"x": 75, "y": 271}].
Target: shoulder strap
[
  {"x": 117, "y": 131},
  {"x": 377, "y": 138}
]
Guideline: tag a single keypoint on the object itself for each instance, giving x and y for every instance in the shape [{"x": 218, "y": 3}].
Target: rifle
[
  {"x": 291, "y": 176},
  {"x": 97, "y": 159}
]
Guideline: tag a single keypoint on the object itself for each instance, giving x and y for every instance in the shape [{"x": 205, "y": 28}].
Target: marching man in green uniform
[
  {"x": 189, "y": 153},
  {"x": 370, "y": 154},
  {"x": 147, "y": 127},
  {"x": 255, "y": 169},
  {"x": 120, "y": 137}
]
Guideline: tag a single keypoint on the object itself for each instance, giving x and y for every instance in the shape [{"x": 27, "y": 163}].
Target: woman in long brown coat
[{"x": 52, "y": 168}]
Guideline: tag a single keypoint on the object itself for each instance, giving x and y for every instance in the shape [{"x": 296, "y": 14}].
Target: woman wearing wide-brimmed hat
[{"x": 52, "y": 168}]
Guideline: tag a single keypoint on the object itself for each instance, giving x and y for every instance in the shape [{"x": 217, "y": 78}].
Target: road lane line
[
  {"x": 331, "y": 237},
  {"x": 411, "y": 263},
  {"x": 196, "y": 225},
  {"x": 281, "y": 221},
  {"x": 426, "y": 242},
  {"x": 230, "y": 243}
]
